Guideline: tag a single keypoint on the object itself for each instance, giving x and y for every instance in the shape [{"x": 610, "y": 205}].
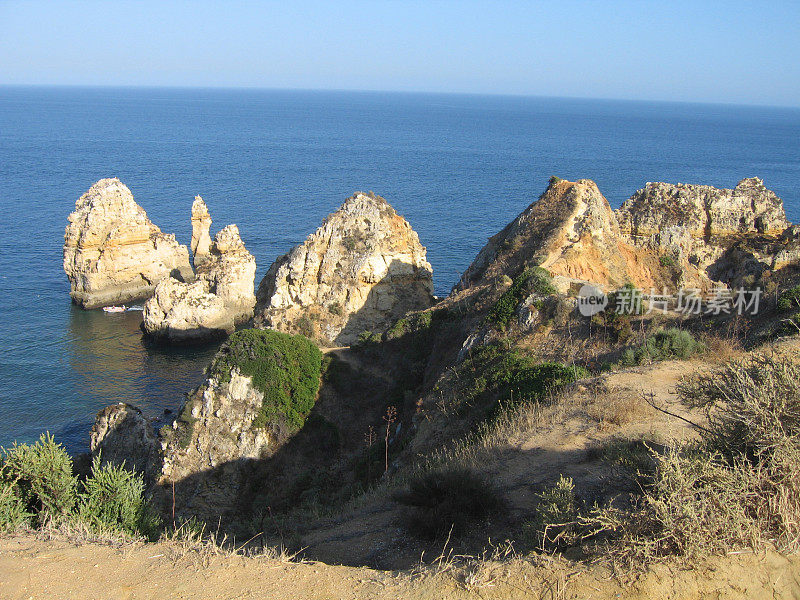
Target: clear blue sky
[{"x": 733, "y": 52}]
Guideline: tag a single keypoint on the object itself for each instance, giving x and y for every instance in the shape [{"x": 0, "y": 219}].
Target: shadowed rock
[{"x": 360, "y": 271}]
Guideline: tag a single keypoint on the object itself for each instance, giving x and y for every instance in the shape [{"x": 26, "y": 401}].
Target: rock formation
[
  {"x": 201, "y": 224},
  {"x": 360, "y": 271},
  {"x": 700, "y": 222},
  {"x": 664, "y": 236},
  {"x": 113, "y": 253},
  {"x": 121, "y": 434},
  {"x": 183, "y": 313},
  {"x": 212, "y": 450},
  {"x": 571, "y": 232},
  {"x": 221, "y": 297}
]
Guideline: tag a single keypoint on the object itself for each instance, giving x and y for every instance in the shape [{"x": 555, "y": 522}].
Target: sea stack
[
  {"x": 359, "y": 272},
  {"x": 201, "y": 224},
  {"x": 222, "y": 296},
  {"x": 113, "y": 253}
]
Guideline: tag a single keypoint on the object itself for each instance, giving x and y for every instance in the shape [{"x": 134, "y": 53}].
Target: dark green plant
[
  {"x": 113, "y": 497},
  {"x": 449, "y": 500},
  {"x": 286, "y": 368},
  {"x": 663, "y": 345},
  {"x": 533, "y": 280},
  {"x": 790, "y": 298},
  {"x": 667, "y": 260},
  {"x": 335, "y": 309},
  {"x": 40, "y": 477}
]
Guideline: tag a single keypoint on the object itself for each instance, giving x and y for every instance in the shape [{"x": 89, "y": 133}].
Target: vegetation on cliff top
[
  {"x": 286, "y": 368},
  {"x": 535, "y": 280},
  {"x": 38, "y": 487}
]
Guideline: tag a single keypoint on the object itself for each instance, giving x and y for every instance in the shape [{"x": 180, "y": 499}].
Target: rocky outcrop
[
  {"x": 113, "y": 253},
  {"x": 122, "y": 435},
  {"x": 201, "y": 225},
  {"x": 700, "y": 222},
  {"x": 360, "y": 271},
  {"x": 215, "y": 448},
  {"x": 572, "y": 232},
  {"x": 222, "y": 296},
  {"x": 229, "y": 272},
  {"x": 185, "y": 313}
]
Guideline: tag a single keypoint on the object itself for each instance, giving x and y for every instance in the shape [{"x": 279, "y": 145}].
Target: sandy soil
[{"x": 32, "y": 569}]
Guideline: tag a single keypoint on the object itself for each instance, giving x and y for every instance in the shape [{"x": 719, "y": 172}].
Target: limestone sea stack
[
  {"x": 222, "y": 296},
  {"x": 201, "y": 225},
  {"x": 360, "y": 271},
  {"x": 113, "y": 253}
]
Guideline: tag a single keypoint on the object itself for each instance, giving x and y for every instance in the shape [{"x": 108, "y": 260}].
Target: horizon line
[{"x": 384, "y": 91}]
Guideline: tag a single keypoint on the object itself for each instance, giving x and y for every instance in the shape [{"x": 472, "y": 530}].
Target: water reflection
[{"x": 111, "y": 362}]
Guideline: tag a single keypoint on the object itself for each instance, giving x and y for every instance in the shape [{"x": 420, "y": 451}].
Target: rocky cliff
[
  {"x": 113, "y": 253},
  {"x": 201, "y": 225},
  {"x": 221, "y": 297},
  {"x": 700, "y": 222},
  {"x": 258, "y": 392},
  {"x": 571, "y": 232},
  {"x": 360, "y": 271}
]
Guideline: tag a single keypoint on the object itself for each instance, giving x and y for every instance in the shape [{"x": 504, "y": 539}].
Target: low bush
[
  {"x": 739, "y": 486},
  {"x": 495, "y": 375},
  {"x": 789, "y": 299},
  {"x": 285, "y": 368},
  {"x": 554, "y": 517},
  {"x": 36, "y": 482},
  {"x": 113, "y": 498},
  {"x": 664, "y": 345},
  {"x": 535, "y": 280},
  {"x": 449, "y": 500}
]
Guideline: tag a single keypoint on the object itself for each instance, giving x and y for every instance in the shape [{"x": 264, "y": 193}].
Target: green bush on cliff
[
  {"x": 113, "y": 498},
  {"x": 790, "y": 298},
  {"x": 36, "y": 482},
  {"x": 664, "y": 345},
  {"x": 285, "y": 368},
  {"x": 535, "y": 280},
  {"x": 494, "y": 375}
]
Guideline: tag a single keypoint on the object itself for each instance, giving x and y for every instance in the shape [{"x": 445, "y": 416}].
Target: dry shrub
[
  {"x": 721, "y": 349},
  {"x": 739, "y": 485}
]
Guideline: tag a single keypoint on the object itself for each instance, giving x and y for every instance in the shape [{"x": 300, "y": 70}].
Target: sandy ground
[{"x": 32, "y": 568}]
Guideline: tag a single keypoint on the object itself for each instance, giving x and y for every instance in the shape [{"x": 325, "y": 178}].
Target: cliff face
[
  {"x": 360, "y": 271},
  {"x": 221, "y": 297},
  {"x": 258, "y": 392},
  {"x": 113, "y": 253},
  {"x": 700, "y": 222},
  {"x": 571, "y": 232}
]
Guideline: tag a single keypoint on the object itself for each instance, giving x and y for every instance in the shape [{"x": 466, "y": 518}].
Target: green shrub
[
  {"x": 535, "y": 280},
  {"x": 285, "y": 368},
  {"x": 789, "y": 299},
  {"x": 12, "y": 509},
  {"x": 40, "y": 477},
  {"x": 335, "y": 309},
  {"x": 448, "y": 500},
  {"x": 667, "y": 260},
  {"x": 113, "y": 497},
  {"x": 663, "y": 345},
  {"x": 554, "y": 516}
]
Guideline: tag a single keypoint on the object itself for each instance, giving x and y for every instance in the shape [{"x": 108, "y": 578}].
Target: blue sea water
[{"x": 276, "y": 162}]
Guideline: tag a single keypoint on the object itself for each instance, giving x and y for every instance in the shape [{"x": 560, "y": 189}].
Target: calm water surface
[{"x": 276, "y": 162}]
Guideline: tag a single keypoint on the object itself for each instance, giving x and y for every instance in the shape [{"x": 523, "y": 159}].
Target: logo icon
[{"x": 591, "y": 300}]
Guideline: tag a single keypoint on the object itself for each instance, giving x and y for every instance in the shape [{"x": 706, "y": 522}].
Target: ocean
[{"x": 276, "y": 163}]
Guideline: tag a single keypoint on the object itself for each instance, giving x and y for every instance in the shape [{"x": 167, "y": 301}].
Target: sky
[{"x": 674, "y": 50}]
